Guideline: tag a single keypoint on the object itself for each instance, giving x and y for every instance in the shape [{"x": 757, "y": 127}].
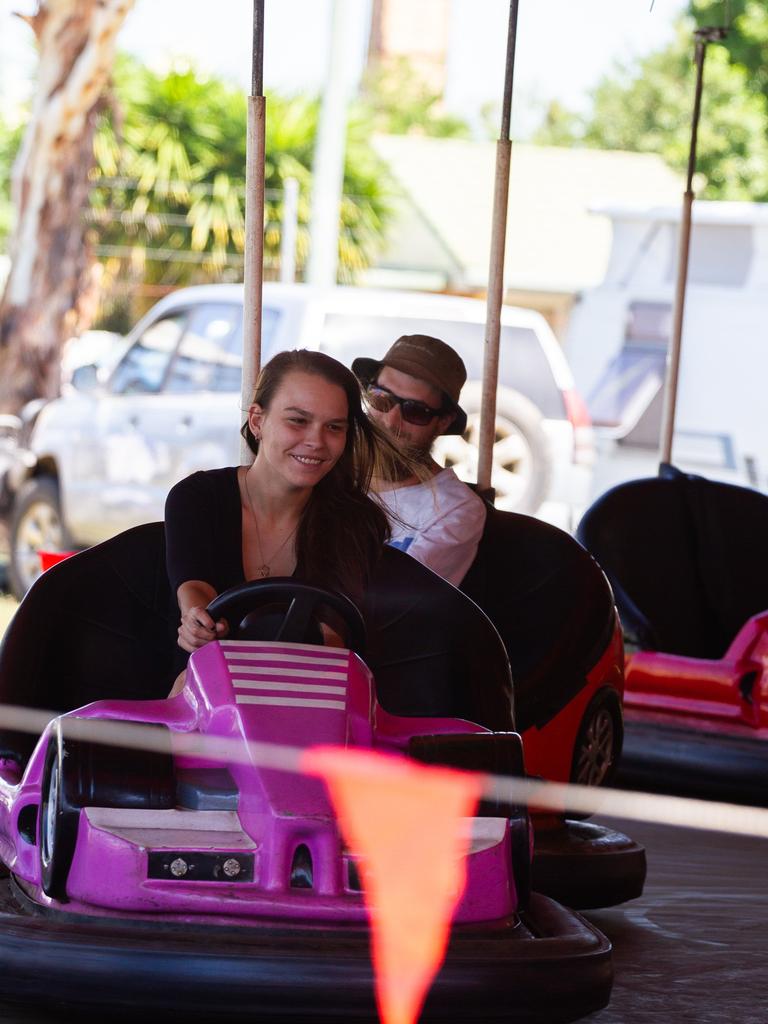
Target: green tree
[
  {"x": 365, "y": 206},
  {"x": 397, "y": 101},
  {"x": 560, "y": 127},
  {"x": 10, "y": 139},
  {"x": 747, "y": 40},
  {"x": 171, "y": 177},
  {"x": 167, "y": 191},
  {"x": 646, "y": 107}
]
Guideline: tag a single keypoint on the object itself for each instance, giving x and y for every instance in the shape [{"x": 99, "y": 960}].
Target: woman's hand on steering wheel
[
  {"x": 198, "y": 628},
  {"x": 299, "y": 615}
]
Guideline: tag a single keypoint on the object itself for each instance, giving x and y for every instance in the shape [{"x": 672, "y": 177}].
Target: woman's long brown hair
[{"x": 342, "y": 530}]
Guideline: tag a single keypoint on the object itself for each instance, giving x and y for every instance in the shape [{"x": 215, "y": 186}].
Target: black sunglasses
[{"x": 382, "y": 400}]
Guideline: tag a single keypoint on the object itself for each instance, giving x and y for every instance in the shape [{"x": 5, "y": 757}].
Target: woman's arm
[
  {"x": 197, "y": 627},
  {"x": 190, "y": 521}
]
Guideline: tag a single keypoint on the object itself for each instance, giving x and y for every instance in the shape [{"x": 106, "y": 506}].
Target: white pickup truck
[{"x": 103, "y": 456}]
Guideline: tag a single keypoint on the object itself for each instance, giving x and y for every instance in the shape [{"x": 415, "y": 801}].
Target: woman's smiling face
[{"x": 303, "y": 432}]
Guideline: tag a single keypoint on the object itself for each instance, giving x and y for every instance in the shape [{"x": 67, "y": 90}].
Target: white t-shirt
[{"x": 440, "y": 525}]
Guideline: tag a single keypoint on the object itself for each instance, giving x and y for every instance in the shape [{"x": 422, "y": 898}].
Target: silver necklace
[{"x": 265, "y": 569}]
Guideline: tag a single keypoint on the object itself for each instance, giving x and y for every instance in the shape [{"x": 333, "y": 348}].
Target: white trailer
[{"x": 620, "y": 331}]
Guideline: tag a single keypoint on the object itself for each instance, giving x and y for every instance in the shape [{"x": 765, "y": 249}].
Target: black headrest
[
  {"x": 687, "y": 558},
  {"x": 432, "y": 651},
  {"x": 551, "y": 604}
]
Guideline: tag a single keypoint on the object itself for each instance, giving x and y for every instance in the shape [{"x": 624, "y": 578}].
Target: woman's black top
[
  {"x": 204, "y": 530},
  {"x": 431, "y": 650}
]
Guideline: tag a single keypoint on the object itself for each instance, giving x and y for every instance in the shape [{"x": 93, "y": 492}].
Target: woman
[{"x": 300, "y": 508}]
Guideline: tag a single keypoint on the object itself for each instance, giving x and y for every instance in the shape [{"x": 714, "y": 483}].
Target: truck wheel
[
  {"x": 36, "y": 525},
  {"x": 522, "y": 458}
]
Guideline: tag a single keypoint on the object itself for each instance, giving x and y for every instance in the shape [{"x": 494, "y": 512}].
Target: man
[{"x": 413, "y": 393}]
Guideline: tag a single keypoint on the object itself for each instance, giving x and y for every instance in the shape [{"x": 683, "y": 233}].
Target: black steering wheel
[{"x": 299, "y": 606}]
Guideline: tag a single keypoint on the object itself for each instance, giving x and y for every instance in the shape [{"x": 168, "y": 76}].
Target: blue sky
[{"x": 563, "y": 46}]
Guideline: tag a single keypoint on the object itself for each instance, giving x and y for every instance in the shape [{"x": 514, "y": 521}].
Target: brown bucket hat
[{"x": 427, "y": 359}]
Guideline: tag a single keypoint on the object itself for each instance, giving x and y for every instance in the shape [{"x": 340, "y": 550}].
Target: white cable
[{"x": 683, "y": 812}]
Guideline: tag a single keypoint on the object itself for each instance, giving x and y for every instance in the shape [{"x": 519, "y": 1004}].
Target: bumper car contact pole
[
  {"x": 703, "y": 37},
  {"x": 254, "y": 220},
  {"x": 496, "y": 270}
]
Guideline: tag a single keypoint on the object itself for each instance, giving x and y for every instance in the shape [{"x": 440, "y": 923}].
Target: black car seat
[
  {"x": 551, "y": 604},
  {"x": 102, "y": 625},
  {"x": 432, "y": 650},
  {"x": 687, "y": 558},
  {"x": 99, "y": 624}
]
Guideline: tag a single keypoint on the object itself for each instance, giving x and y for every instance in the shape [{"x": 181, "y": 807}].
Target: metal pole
[
  {"x": 703, "y": 37},
  {"x": 328, "y": 160},
  {"x": 289, "y": 230},
  {"x": 496, "y": 269},
  {"x": 254, "y": 220}
]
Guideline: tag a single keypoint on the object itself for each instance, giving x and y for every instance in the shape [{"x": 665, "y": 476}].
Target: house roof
[{"x": 554, "y": 241}]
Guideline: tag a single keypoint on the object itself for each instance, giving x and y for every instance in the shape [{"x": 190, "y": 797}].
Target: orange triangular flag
[{"x": 403, "y": 820}]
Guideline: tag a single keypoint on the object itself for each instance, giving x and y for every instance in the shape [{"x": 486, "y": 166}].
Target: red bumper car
[{"x": 688, "y": 562}]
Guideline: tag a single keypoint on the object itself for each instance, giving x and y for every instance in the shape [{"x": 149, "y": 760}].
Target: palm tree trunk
[{"x": 51, "y": 266}]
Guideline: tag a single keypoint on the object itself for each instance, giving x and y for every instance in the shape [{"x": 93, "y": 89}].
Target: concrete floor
[
  {"x": 693, "y": 947},
  {"x": 691, "y": 950}
]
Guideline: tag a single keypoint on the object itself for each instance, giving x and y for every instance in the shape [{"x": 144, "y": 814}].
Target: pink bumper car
[{"x": 168, "y": 880}]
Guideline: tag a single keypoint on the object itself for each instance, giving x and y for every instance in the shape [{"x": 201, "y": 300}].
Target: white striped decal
[
  {"x": 269, "y": 674},
  {"x": 261, "y": 671},
  {"x": 291, "y": 659},
  {"x": 243, "y": 646},
  {"x": 292, "y": 702},
  {"x": 262, "y": 684}
]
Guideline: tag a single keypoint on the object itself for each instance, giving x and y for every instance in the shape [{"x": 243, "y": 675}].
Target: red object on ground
[{"x": 49, "y": 558}]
